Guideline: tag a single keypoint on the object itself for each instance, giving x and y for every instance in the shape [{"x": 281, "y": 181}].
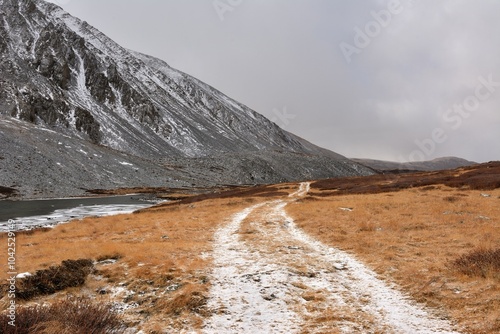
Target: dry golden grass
[
  {"x": 160, "y": 256},
  {"x": 413, "y": 237}
]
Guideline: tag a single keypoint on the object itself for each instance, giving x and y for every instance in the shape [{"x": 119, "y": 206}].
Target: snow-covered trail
[{"x": 270, "y": 277}]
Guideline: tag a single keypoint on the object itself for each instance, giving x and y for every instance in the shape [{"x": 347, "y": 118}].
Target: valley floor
[{"x": 291, "y": 258}]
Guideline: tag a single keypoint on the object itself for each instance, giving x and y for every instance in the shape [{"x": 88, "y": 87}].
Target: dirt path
[{"x": 270, "y": 277}]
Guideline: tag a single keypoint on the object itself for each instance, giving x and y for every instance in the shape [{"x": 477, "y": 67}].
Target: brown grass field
[
  {"x": 436, "y": 235},
  {"x": 160, "y": 255},
  {"x": 413, "y": 237}
]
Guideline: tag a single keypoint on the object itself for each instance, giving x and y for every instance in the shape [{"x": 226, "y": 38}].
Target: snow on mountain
[{"x": 60, "y": 73}]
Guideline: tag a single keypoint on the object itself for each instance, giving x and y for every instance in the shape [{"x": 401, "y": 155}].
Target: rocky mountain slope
[
  {"x": 68, "y": 83},
  {"x": 431, "y": 165}
]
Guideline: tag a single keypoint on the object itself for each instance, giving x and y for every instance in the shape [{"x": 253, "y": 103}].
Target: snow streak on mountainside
[
  {"x": 70, "y": 75},
  {"x": 60, "y": 73}
]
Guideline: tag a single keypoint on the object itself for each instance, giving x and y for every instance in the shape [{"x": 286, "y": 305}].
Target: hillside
[
  {"x": 401, "y": 167},
  {"x": 68, "y": 83}
]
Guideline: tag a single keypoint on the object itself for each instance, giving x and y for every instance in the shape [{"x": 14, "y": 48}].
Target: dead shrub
[
  {"x": 71, "y": 273},
  {"x": 69, "y": 316},
  {"x": 480, "y": 263},
  {"x": 451, "y": 199}
]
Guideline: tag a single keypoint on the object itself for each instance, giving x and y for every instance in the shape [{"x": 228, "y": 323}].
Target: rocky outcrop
[
  {"x": 86, "y": 123},
  {"x": 52, "y": 57}
]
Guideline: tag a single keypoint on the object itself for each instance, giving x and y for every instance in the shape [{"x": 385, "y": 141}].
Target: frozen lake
[{"x": 40, "y": 213}]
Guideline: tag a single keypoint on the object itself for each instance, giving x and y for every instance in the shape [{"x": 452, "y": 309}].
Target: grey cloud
[{"x": 272, "y": 54}]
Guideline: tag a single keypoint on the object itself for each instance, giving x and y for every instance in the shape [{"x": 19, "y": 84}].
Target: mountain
[
  {"x": 399, "y": 167},
  {"x": 65, "y": 85}
]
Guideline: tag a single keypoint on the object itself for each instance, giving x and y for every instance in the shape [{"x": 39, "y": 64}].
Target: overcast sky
[{"x": 393, "y": 80}]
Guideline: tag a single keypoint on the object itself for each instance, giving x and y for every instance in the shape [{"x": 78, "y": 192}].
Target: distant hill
[{"x": 431, "y": 165}]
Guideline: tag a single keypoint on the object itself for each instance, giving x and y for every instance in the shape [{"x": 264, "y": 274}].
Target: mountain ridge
[
  {"x": 63, "y": 75},
  {"x": 132, "y": 94},
  {"x": 441, "y": 163}
]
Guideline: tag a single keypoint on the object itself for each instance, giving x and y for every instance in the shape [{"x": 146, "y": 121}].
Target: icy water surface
[{"x": 41, "y": 213}]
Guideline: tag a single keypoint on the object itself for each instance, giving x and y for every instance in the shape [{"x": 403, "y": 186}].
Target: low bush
[
  {"x": 69, "y": 316},
  {"x": 71, "y": 273},
  {"x": 481, "y": 262}
]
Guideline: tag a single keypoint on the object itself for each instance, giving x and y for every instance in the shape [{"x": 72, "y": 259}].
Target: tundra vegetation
[{"x": 434, "y": 234}]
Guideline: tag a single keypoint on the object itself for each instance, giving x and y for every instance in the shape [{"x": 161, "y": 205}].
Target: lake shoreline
[{"x": 48, "y": 212}]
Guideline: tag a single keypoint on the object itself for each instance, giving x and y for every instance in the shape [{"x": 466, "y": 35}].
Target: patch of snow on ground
[
  {"x": 244, "y": 288},
  {"x": 255, "y": 283}
]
